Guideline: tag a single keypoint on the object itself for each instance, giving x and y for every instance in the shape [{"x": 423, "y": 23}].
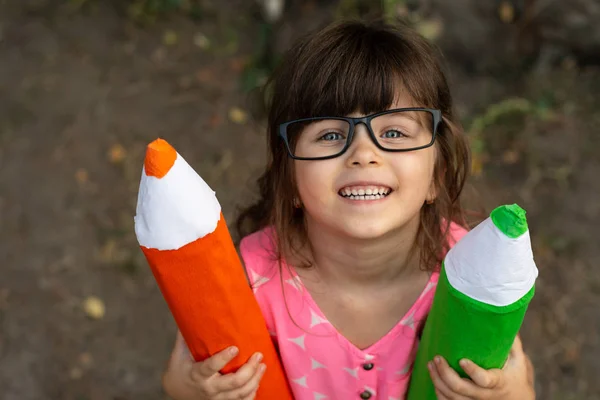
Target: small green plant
[
  {"x": 263, "y": 62},
  {"x": 391, "y": 9},
  {"x": 491, "y": 116},
  {"x": 148, "y": 11},
  {"x": 507, "y": 112}
]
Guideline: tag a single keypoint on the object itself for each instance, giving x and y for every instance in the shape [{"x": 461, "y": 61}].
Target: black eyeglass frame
[{"x": 435, "y": 113}]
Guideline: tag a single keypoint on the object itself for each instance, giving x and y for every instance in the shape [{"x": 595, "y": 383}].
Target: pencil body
[
  {"x": 485, "y": 286},
  {"x": 185, "y": 239}
]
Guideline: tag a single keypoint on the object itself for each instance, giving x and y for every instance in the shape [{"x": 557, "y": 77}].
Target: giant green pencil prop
[{"x": 486, "y": 283}]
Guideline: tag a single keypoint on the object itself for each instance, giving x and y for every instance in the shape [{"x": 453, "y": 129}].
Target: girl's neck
[{"x": 364, "y": 264}]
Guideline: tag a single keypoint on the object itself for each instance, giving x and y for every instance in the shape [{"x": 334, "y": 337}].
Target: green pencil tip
[{"x": 510, "y": 219}]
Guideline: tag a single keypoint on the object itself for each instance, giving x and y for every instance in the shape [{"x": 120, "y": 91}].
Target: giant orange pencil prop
[{"x": 181, "y": 230}]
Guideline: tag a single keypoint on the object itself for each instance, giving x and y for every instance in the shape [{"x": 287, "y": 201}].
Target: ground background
[{"x": 86, "y": 84}]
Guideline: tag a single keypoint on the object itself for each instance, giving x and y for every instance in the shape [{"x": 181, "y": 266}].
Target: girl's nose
[{"x": 362, "y": 150}]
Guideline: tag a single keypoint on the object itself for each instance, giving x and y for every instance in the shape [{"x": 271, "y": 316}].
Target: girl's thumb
[
  {"x": 517, "y": 348},
  {"x": 516, "y": 352},
  {"x": 181, "y": 352}
]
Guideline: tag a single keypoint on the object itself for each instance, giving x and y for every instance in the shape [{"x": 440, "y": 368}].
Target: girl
[{"x": 358, "y": 206}]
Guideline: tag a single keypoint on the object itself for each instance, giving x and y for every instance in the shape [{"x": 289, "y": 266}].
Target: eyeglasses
[{"x": 397, "y": 130}]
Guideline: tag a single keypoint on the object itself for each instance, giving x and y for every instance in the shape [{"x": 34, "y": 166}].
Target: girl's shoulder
[
  {"x": 258, "y": 252},
  {"x": 456, "y": 233}
]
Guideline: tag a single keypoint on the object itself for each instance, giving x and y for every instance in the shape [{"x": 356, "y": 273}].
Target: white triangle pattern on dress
[
  {"x": 301, "y": 381},
  {"x": 299, "y": 341},
  {"x": 257, "y": 280},
  {"x": 316, "y": 319},
  {"x": 295, "y": 282},
  {"x": 352, "y": 371},
  {"x": 369, "y": 357},
  {"x": 404, "y": 370},
  {"x": 409, "y": 320},
  {"x": 370, "y": 389},
  {"x": 429, "y": 286},
  {"x": 316, "y": 365},
  {"x": 319, "y": 396}
]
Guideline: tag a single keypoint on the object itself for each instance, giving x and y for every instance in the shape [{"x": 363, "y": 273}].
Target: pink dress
[{"x": 319, "y": 362}]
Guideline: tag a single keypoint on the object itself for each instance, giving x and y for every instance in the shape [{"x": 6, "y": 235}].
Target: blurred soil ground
[{"x": 84, "y": 88}]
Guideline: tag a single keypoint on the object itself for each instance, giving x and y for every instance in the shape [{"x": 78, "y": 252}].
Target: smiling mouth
[{"x": 365, "y": 192}]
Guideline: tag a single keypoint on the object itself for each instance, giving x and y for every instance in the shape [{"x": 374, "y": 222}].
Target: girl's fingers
[
  {"x": 214, "y": 364},
  {"x": 440, "y": 396},
  {"x": 442, "y": 390},
  {"x": 455, "y": 382},
  {"x": 248, "y": 391},
  {"x": 239, "y": 379},
  {"x": 250, "y": 397},
  {"x": 488, "y": 379}
]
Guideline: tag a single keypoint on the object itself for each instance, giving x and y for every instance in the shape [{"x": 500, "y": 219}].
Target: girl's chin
[{"x": 368, "y": 231}]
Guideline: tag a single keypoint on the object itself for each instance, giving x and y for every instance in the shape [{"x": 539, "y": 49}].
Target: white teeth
[
  {"x": 366, "y": 197},
  {"x": 369, "y": 193}
]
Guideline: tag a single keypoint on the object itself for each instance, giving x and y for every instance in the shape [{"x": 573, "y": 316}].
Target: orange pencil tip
[{"x": 160, "y": 157}]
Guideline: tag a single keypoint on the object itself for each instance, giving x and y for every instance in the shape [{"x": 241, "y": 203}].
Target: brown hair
[{"x": 349, "y": 67}]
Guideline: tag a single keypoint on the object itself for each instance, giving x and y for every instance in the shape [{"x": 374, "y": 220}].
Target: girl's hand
[
  {"x": 513, "y": 382},
  {"x": 185, "y": 379}
]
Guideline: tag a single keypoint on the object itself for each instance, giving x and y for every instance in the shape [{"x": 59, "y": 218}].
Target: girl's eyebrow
[
  {"x": 420, "y": 117},
  {"x": 414, "y": 115}
]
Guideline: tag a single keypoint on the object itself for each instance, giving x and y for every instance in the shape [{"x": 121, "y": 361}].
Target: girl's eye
[
  {"x": 331, "y": 136},
  {"x": 393, "y": 134}
]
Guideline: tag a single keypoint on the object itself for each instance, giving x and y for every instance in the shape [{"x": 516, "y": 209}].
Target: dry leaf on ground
[
  {"x": 82, "y": 176},
  {"x": 116, "y": 154},
  {"x": 476, "y": 166},
  {"x": 238, "y": 115},
  {"x": 237, "y": 64},
  {"x": 215, "y": 120},
  {"x": 205, "y": 76},
  {"x": 430, "y": 29},
  {"x": 94, "y": 307},
  {"x": 506, "y": 12},
  {"x": 85, "y": 360},
  {"x": 75, "y": 373},
  {"x": 511, "y": 157},
  {"x": 201, "y": 41},
  {"x": 170, "y": 38}
]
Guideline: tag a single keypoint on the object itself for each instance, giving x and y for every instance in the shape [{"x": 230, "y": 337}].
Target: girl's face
[{"x": 324, "y": 186}]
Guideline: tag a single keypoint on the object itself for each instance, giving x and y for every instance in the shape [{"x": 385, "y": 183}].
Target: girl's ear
[{"x": 431, "y": 194}]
